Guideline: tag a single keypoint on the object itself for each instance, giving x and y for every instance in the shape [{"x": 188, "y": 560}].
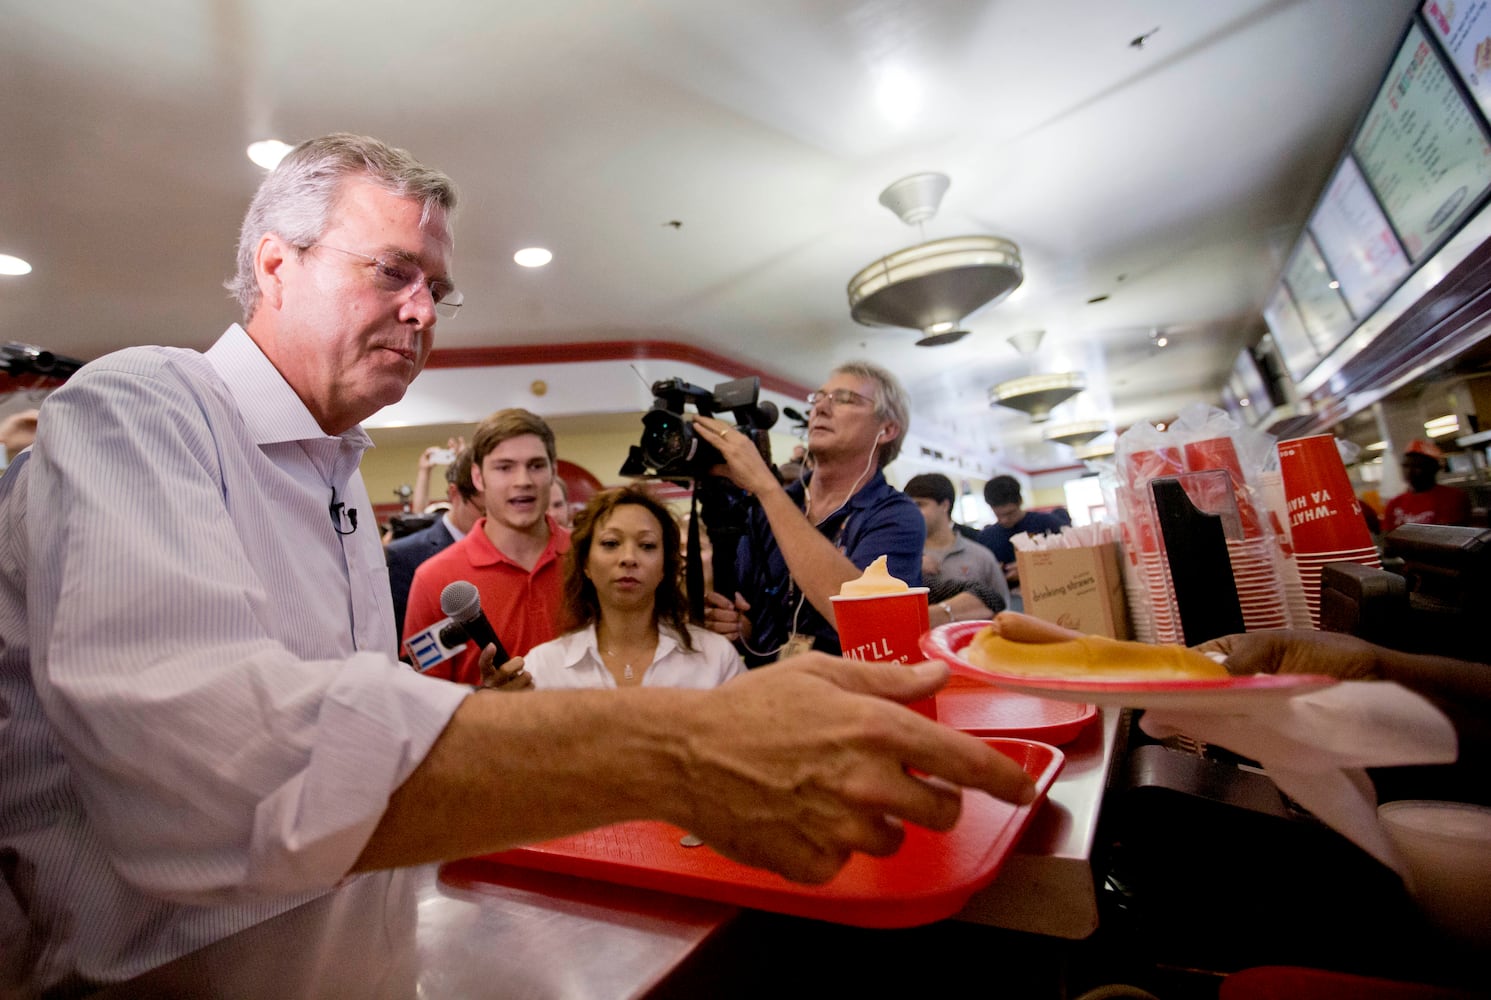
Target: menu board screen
[
  {"x": 1295, "y": 347},
  {"x": 1247, "y": 381},
  {"x": 1317, "y": 296},
  {"x": 1464, "y": 29},
  {"x": 1422, "y": 149},
  {"x": 1357, "y": 242}
]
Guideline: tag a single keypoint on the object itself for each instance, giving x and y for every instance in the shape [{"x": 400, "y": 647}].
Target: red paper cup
[
  {"x": 1220, "y": 453},
  {"x": 1142, "y": 466},
  {"x": 1324, "y": 513},
  {"x": 886, "y": 628},
  {"x": 1213, "y": 453}
]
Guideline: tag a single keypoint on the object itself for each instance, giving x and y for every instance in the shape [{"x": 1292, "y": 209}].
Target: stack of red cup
[
  {"x": 1259, "y": 593},
  {"x": 1153, "y": 568},
  {"x": 1325, "y": 517},
  {"x": 1135, "y": 590}
]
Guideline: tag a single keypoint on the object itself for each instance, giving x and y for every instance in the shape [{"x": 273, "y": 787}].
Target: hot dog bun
[{"x": 1020, "y": 644}]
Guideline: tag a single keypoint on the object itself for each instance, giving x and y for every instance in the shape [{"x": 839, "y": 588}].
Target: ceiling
[{"x": 707, "y": 172}]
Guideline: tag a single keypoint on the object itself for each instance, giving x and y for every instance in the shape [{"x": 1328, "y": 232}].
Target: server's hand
[{"x": 1297, "y": 651}]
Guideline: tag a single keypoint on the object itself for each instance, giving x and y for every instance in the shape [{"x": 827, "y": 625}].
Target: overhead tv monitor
[
  {"x": 1250, "y": 380},
  {"x": 1250, "y": 387},
  {"x": 1422, "y": 148},
  {"x": 1232, "y": 406},
  {"x": 1464, "y": 29},
  {"x": 1317, "y": 296},
  {"x": 1357, "y": 242},
  {"x": 1296, "y": 350}
]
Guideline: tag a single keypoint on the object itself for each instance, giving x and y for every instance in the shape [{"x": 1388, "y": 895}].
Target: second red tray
[{"x": 982, "y": 710}]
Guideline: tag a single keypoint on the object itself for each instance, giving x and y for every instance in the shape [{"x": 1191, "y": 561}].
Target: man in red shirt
[
  {"x": 514, "y": 556},
  {"x": 1425, "y": 501}
]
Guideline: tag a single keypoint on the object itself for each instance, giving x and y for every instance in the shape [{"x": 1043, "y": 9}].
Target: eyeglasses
[
  {"x": 839, "y": 397},
  {"x": 395, "y": 276}
]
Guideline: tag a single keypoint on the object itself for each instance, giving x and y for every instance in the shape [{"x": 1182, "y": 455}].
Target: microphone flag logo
[{"x": 428, "y": 648}]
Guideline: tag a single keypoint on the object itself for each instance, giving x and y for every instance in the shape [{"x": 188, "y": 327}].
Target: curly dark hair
[{"x": 582, "y": 604}]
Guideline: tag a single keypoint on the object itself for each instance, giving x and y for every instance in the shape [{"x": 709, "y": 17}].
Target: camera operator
[{"x": 805, "y": 539}]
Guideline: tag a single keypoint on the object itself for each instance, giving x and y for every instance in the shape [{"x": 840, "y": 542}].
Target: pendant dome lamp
[
  {"x": 1075, "y": 434},
  {"x": 934, "y": 285},
  {"x": 1037, "y": 395}
]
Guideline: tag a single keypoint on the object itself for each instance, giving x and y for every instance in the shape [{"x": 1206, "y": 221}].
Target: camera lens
[{"x": 666, "y": 439}]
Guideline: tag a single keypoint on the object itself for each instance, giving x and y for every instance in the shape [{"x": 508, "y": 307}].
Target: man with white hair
[{"x": 805, "y": 539}]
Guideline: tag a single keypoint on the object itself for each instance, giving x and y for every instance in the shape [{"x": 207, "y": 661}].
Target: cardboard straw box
[{"x": 1080, "y": 589}]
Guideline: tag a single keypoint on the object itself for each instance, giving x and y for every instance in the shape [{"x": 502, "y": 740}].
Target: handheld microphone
[{"x": 460, "y": 601}]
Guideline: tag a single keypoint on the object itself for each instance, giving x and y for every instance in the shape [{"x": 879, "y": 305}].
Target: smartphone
[{"x": 443, "y": 456}]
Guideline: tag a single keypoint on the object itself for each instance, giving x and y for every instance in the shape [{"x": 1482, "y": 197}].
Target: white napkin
[{"x": 1315, "y": 746}]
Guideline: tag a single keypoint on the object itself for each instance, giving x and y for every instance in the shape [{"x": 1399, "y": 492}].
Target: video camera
[
  {"x": 672, "y": 449},
  {"x": 27, "y": 359}
]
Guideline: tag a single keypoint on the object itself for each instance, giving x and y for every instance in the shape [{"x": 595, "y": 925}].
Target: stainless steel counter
[
  {"x": 529, "y": 936},
  {"x": 1048, "y": 885},
  {"x": 472, "y": 928}
]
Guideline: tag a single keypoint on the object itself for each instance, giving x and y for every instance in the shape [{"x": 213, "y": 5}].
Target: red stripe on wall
[{"x": 610, "y": 350}]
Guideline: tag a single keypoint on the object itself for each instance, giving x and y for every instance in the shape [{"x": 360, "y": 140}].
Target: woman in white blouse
[{"x": 629, "y": 618}]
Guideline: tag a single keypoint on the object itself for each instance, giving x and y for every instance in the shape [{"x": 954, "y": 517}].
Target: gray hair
[
  {"x": 890, "y": 403},
  {"x": 297, "y": 198}
]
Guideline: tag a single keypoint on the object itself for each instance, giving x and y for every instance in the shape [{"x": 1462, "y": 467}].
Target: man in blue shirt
[
  {"x": 1011, "y": 518},
  {"x": 803, "y": 541}
]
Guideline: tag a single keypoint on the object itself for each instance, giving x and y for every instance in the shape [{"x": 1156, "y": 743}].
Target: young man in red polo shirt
[{"x": 514, "y": 556}]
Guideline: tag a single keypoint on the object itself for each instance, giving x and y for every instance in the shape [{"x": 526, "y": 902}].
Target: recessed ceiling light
[
  {"x": 13, "y": 265},
  {"x": 898, "y": 94},
  {"x": 533, "y": 257},
  {"x": 268, "y": 153}
]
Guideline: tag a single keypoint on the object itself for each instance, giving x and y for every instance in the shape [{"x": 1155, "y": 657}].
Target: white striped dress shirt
[{"x": 201, "y": 716}]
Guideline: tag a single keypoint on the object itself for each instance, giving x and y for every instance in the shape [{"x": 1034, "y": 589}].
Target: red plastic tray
[
  {"x": 982, "y": 710},
  {"x": 928, "y": 879}
]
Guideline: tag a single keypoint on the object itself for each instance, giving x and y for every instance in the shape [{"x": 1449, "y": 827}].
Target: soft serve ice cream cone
[
  {"x": 873, "y": 582},
  {"x": 882, "y": 618}
]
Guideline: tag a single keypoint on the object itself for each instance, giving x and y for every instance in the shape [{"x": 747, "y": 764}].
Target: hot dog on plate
[{"x": 1019, "y": 644}]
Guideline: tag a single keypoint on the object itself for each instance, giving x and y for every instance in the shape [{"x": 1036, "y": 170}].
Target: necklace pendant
[{"x": 627, "y": 672}]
